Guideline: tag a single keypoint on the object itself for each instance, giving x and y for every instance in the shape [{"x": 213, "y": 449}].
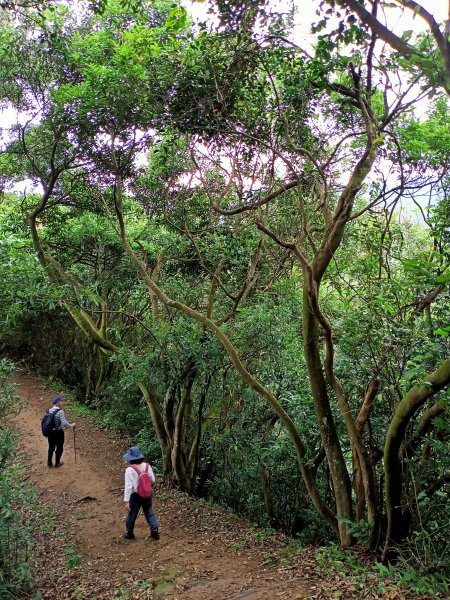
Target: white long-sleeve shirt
[{"x": 131, "y": 479}]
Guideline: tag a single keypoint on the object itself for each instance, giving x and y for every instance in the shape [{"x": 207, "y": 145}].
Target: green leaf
[
  {"x": 444, "y": 278},
  {"x": 440, "y": 423},
  {"x": 344, "y": 519},
  {"x": 441, "y": 332}
]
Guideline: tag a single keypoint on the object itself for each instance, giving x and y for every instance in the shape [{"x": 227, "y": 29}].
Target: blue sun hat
[
  {"x": 57, "y": 399},
  {"x": 134, "y": 453}
]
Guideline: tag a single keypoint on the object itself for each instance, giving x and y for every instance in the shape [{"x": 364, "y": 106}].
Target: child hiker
[{"x": 139, "y": 478}]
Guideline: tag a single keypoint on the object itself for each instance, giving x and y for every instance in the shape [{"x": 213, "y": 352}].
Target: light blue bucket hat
[{"x": 134, "y": 453}]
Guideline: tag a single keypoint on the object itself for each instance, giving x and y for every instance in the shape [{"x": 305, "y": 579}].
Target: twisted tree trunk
[{"x": 397, "y": 526}]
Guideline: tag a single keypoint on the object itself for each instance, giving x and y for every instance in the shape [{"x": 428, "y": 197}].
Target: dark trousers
[
  {"x": 55, "y": 445},
  {"x": 136, "y": 503}
]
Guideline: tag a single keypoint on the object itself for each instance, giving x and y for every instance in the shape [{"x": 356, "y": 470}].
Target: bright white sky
[{"x": 305, "y": 11}]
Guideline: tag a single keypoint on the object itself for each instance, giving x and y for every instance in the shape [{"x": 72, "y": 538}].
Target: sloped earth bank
[{"x": 203, "y": 553}]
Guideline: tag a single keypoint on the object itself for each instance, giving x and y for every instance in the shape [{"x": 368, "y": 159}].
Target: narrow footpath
[{"x": 203, "y": 554}]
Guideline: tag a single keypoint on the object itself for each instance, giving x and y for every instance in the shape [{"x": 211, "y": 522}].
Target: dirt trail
[{"x": 198, "y": 557}]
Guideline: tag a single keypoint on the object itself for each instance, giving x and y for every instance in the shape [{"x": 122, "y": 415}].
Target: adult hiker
[
  {"x": 56, "y": 435},
  {"x": 139, "y": 479}
]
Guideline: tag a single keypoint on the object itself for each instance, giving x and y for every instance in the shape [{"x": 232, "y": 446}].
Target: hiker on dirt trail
[
  {"x": 139, "y": 478},
  {"x": 56, "y": 437}
]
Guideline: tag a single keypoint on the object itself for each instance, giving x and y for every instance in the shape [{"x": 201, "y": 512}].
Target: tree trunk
[
  {"x": 179, "y": 445},
  {"x": 268, "y": 498},
  {"x": 407, "y": 407},
  {"x": 158, "y": 423},
  {"x": 325, "y": 421}
]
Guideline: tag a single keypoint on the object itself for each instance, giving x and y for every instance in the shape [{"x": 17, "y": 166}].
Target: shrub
[{"x": 15, "y": 574}]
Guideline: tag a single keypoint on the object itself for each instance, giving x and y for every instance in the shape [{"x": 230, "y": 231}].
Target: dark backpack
[
  {"x": 144, "y": 488},
  {"x": 48, "y": 422}
]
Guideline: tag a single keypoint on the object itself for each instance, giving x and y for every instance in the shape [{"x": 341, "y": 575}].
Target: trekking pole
[{"x": 74, "y": 445}]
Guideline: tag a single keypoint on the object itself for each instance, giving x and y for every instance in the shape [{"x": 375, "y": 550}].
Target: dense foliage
[
  {"x": 15, "y": 572},
  {"x": 241, "y": 255}
]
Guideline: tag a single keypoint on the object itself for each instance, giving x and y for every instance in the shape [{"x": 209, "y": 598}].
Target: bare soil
[{"x": 203, "y": 553}]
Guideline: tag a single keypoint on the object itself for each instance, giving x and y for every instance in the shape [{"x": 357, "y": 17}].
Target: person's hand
[
  {"x": 73, "y": 425},
  {"x": 127, "y": 507}
]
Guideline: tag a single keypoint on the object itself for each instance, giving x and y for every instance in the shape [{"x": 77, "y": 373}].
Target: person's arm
[
  {"x": 152, "y": 474},
  {"x": 64, "y": 423},
  {"x": 128, "y": 487}
]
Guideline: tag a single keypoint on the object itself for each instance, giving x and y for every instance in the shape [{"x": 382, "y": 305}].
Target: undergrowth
[
  {"x": 366, "y": 574},
  {"x": 22, "y": 517}
]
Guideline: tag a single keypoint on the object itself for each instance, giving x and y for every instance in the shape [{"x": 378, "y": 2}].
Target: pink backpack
[{"x": 144, "y": 488}]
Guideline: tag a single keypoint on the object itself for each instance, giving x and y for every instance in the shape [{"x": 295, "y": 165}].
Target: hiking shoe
[
  {"x": 60, "y": 464},
  {"x": 50, "y": 464},
  {"x": 154, "y": 534},
  {"x": 129, "y": 537}
]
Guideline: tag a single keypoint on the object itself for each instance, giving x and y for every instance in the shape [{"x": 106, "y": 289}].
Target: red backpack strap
[{"x": 138, "y": 471}]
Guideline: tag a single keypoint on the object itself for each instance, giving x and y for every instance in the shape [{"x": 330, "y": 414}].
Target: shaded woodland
[{"x": 236, "y": 249}]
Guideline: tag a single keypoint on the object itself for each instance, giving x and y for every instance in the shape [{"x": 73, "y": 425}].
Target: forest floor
[{"x": 203, "y": 554}]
